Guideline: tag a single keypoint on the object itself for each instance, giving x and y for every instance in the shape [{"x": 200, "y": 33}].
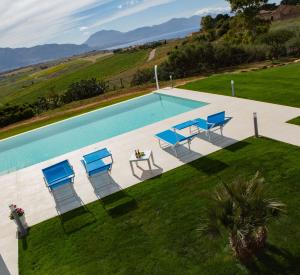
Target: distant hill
[
  {"x": 14, "y": 58},
  {"x": 108, "y": 38}
]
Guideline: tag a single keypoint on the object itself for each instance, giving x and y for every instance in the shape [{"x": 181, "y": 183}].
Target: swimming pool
[{"x": 56, "y": 139}]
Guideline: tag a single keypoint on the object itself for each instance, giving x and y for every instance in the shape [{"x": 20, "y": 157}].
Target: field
[
  {"x": 57, "y": 79},
  {"x": 157, "y": 232},
  {"x": 280, "y": 85}
]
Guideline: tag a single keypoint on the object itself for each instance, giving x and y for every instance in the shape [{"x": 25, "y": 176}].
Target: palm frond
[{"x": 244, "y": 208}]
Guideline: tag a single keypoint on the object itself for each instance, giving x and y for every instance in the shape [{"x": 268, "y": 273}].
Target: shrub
[
  {"x": 142, "y": 77},
  {"x": 84, "y": 89},
  {"x": 277, "y": 40},
  {"x": 190, "y": 59},
  {"x": 293, "y": 46},
  {"x": 13, "y": 113}
]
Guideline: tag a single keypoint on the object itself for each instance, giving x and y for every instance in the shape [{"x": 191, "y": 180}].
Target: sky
[{"x": 25, "y": 23}]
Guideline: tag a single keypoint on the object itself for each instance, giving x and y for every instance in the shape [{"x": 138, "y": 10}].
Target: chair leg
[{"x": 221, "y": 130}]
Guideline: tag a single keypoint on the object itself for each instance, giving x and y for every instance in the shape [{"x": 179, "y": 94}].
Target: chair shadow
[
  {"x": 3, "y": 268},
  {"x": 146, "y": 173},
  {"x": 237, "y": 146},
  {"x": 184, "y": 154},
  {"x": 267, "y": 262},
  {"x": 119, "y": 203},
  {"x": 70, "y": 209},
  {"x": 208, "y": 165},
  {"x": 66, "y": 199},
  {"x": 76, "y": 219},
  {"x": 217, "y": 139},
  {"x": 113, "y": 198},
  {"x": 104, "y": 185}
]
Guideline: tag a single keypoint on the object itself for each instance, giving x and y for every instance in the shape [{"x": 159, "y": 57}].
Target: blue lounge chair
[
  {"x": 213, "y": 122},
  {"x": 94, "y": 164},
  {"x": 58, "y": 175},
  {"x": 174, "y": 139}
]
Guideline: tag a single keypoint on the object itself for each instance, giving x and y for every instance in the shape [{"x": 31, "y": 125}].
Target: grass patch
[
  {"x": 159, "y": 235},
  {"x": 279, "y": 85},
  {"x": 295, "y": 121},
  {"x": 55, "y": 117}
]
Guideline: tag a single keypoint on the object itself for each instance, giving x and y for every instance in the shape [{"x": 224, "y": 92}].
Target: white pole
[
  {"x": 156, "y": 77},
  {"x": 232, "y": 88}
]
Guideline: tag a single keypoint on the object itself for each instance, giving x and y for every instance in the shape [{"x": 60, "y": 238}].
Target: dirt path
[{"x": 151, "y": 55}]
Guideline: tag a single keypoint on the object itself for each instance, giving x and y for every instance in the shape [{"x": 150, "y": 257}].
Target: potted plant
[{"x": 20, "y": 212}]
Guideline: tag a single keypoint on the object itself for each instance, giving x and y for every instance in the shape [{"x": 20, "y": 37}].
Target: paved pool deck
[{"x": 26, "y": 187}]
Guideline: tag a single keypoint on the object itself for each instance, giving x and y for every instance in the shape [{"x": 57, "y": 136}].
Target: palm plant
[{"x": 244, "y": 209}]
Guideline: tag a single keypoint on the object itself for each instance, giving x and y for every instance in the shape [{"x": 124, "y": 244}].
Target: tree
[
  {"x": 247, "y": 11},
  {"x": 247, "y": 7},
  {"x": 244, "y": 209},
  {"x": 207, "y": 23},
  {"x": 277, "y": 40}
]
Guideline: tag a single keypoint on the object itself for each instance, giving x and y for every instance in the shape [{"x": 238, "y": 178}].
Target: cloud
[
  {"x": 28, "y": 22},
  {"x": 213, "y": 10}
]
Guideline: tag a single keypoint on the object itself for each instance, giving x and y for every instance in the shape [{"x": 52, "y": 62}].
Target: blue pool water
[{"x": 66, "y": 136}]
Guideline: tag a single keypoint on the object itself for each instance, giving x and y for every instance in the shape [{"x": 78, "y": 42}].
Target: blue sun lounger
[
  {"x": 94, "y": 164},
  {"x": 213, "y": 122},
  {"x": 173, "y": 139},
  {"x": 58, "y": 175}
]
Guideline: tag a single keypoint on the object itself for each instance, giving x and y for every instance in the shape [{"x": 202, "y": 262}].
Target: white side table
[{"x": 146, "y": 157}]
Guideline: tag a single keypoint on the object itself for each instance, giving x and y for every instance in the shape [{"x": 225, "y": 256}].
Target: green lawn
[
  {"x": 295, "y": 121},
  {"x": 102, "y": 69},
  {"x": 155, "y": 231},
  {"x": 280, "y": 85}
]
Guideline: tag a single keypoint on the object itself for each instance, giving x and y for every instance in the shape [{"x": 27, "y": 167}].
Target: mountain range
[
  {"x": 15, "y": 58},
  {"x": 106, "y": 39},
  {"x": 112, "y": 39}
]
